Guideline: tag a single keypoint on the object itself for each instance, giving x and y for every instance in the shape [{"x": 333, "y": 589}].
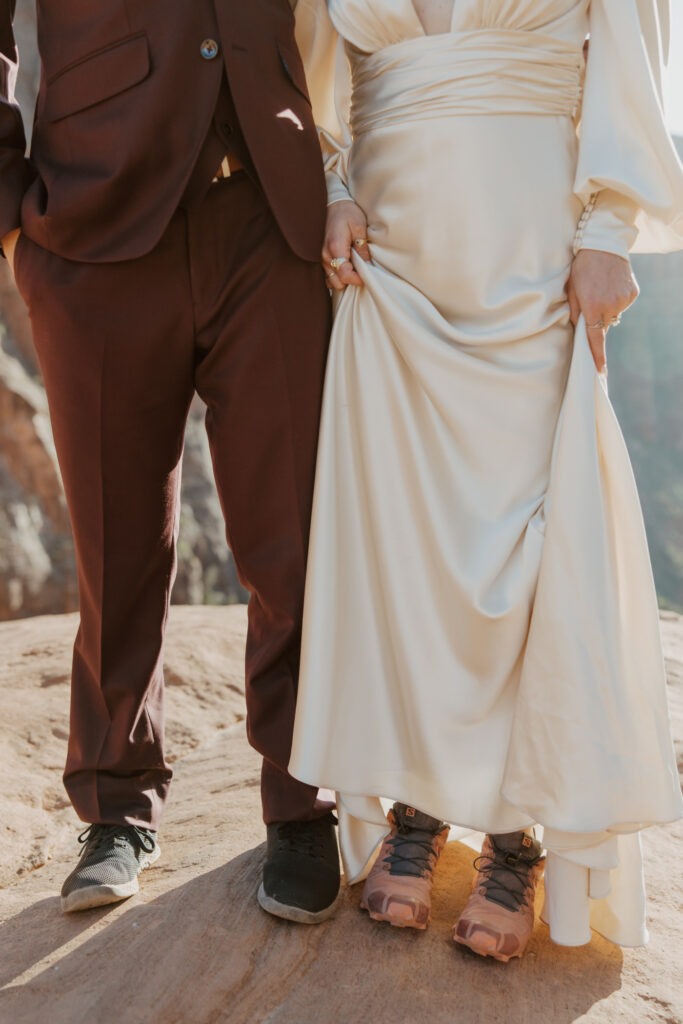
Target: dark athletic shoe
[
  {"x": 301, "y": 875},
  {"x": 111, "y": 860}
]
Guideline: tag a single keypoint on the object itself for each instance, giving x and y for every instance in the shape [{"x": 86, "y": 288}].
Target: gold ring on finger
[
  {"x": 360, "y": 242},
  {"x": 338, "y": 262},
  {"x": 615, "y": 321},
  {"x": 600, "y": 325}
]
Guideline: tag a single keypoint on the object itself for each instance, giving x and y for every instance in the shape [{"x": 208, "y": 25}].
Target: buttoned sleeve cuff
[{"x": 608, "y": 224}]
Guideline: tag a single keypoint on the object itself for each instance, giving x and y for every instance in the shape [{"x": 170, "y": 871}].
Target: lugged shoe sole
[
  {"x": 91, "y": 896},
  {"x": 485, "y": 952},
  {"x": 388, "y": 919},
  {"x": 289, "y": 913}
]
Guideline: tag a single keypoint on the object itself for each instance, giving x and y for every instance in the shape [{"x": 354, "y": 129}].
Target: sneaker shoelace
[
  {"x": 94, "y": 836},
  {"x": 412, "y": 842},
  {"x": 412, "y": 854},
  {"x": 304, "y": 837},
  {"x": 506, "y": 877}
]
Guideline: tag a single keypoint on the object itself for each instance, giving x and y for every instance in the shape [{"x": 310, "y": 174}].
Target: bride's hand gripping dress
[{"x": 481, "y": 633}]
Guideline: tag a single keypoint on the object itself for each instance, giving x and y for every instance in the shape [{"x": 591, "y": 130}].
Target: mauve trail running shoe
[
  {"x": 498, "y": 918},
  {"x": 399, "y": 887}
]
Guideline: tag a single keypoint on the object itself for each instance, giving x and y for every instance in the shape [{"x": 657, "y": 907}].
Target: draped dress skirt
[{"x": 481, "y": 634}]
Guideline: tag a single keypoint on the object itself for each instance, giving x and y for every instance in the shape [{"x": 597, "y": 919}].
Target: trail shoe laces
[
  {"x": 107, "y": 871},
  {"x": 399, "y": 886},
  {"x": 499, "y": 916},
  {"x": 301, "y": 876}
]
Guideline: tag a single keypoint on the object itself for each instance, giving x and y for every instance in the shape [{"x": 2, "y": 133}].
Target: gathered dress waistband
[{"x": 482, "y": 72}]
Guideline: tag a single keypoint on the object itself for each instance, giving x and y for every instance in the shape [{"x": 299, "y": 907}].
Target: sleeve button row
[{"x": 583, "y": 221}]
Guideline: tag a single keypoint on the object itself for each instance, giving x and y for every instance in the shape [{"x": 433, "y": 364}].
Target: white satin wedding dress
[{"x": 481, "y": 634}]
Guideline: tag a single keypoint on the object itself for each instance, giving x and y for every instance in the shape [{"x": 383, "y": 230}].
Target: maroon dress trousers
[{"x": 146, "y": 283}]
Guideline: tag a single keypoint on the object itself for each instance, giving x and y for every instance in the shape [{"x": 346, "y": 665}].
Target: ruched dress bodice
[
  {"x": 481, "y": 635},
  {"x": 372, "y": 25}
]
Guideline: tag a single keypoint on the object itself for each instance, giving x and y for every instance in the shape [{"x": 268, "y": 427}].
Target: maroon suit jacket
[{"x": 125, "y": 102}]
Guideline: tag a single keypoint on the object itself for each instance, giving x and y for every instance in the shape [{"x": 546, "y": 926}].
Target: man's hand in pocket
[{"x": 9, "y": 244}]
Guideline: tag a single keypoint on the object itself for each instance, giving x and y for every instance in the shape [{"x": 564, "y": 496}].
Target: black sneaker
[
  {"x": 301, "y": 875},
  {"x": 111, "y": 860}
]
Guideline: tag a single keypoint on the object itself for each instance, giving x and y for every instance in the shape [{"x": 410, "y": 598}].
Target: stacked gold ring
[{"x": 601, "y": 325}]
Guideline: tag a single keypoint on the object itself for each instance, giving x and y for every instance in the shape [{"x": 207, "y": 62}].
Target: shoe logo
[
  {"x": 526, "y": 841},
  {"x": 410, "y": 812}
]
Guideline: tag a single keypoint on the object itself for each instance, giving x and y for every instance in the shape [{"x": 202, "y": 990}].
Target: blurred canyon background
[{"x": 37, "y": 573}]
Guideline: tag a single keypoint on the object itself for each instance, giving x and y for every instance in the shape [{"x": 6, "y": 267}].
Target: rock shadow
[{"x": 204, "y": 952}]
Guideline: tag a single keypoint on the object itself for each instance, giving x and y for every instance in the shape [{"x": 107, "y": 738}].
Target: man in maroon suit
[{"x": 166, "y": 235}]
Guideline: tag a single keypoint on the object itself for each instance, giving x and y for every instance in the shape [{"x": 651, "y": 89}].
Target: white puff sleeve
[
  {"x": 329, "y": 84},
  {"x": 629, "y": 175}
]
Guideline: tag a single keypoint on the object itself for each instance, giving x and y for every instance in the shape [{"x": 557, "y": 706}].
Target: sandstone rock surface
[
  {"x": 37, "y": 569},
  {"x": 194, "y": 947}
]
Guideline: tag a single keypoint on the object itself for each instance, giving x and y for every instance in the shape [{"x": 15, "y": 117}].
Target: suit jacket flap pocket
[{"x": 97, "y": 77}]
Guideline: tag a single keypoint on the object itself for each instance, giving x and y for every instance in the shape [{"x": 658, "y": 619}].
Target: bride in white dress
[{"x": 481, "y": 633}]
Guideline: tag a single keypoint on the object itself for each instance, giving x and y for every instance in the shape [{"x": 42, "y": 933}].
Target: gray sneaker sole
[
  {"x": 289, "y": 913},
  {"x": 100, "y": 895}
]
